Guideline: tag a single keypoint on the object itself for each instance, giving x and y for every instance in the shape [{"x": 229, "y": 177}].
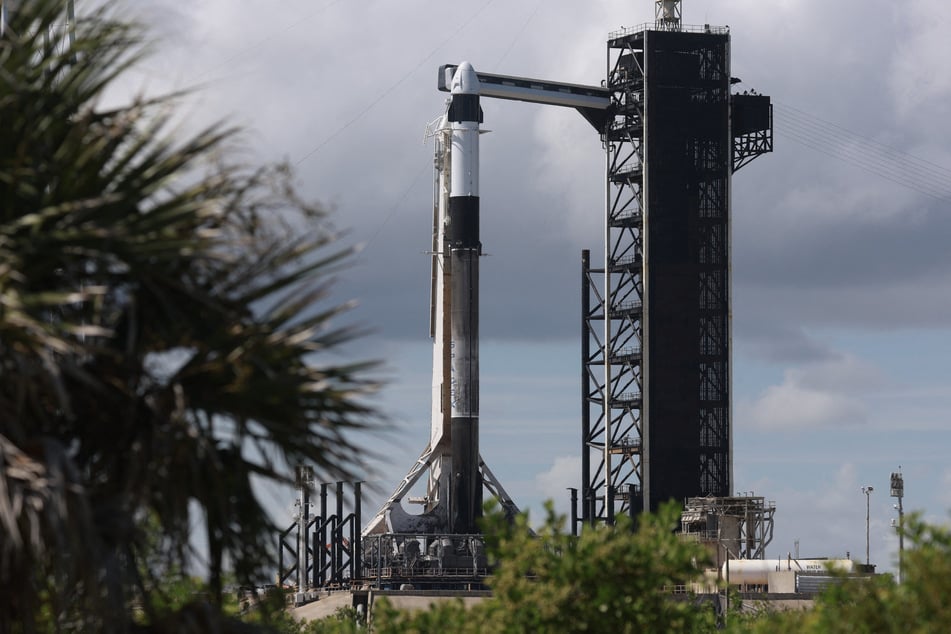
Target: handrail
[{"x": 683, "y": 28}]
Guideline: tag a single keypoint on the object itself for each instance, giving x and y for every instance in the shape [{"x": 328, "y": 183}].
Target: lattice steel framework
[
  {"x": 656, "y": 330},
  {"x": 322, "y": 550},
  {"x": 740, "y": 526},
  {"x": 612, "y": 305},
  {"x": 711, "y": 145}
]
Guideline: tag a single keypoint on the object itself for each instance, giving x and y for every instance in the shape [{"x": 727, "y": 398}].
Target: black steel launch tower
[{"x": 656, "y": 311}]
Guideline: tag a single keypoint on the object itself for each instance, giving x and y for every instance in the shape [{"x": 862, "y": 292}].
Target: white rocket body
[
  {"x": 453, "y": 502},
  {"x": 457, "y": 474},
  {"x": 464, "y": 249}
]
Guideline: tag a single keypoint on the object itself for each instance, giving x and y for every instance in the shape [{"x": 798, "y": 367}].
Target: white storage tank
[{"x": 754, "y": 572}]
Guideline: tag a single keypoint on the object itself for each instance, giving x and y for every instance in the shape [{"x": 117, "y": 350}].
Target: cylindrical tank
[
  {"x": 749, "y": 572},
  {"x": 669, "y": 9}
]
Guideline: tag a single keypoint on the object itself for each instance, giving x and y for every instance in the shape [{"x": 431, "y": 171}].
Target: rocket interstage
[{"x": 464, "y": 117}]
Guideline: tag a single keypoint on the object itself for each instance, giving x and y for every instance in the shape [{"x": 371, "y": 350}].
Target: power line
[
  {"x": 518, "y": 35},
  {"x": 399, "y": 203},
  {"x": 835, "y": 141},
  {"x": 267, "y": 38},
  {"x": 880, "y": 147},
  {"x": 395, "y": 85},
  {"x": 868, "y": 161},
  {"x": 818, "y": 146},
  {"x": 867, "y": 165},
  {"x": 855, "y": 145},
  {"x": 425, "y": 167}
]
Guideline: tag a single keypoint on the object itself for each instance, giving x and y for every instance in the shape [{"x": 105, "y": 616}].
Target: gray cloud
[
  {"x": 772, "y": 341},
  {"x": 345, "y": 91},
  {"x": 909, "y": 246}
]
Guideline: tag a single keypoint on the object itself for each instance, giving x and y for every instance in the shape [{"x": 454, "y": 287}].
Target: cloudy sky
[{"x": 842, "y": 269}]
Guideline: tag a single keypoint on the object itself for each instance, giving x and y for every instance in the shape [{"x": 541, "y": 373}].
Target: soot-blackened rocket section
[{"x": 465, "y": 115}]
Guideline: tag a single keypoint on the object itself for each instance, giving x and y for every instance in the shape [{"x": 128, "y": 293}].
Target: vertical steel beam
[
  {"x": 337, "y": 539},
  {"x": 357, "y": 543},
  {"x": 586, "y": 491},
  {"x": 322, "y": 579}
]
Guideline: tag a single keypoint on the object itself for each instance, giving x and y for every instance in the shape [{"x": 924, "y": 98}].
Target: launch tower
[{"x": 656, "y": 420}]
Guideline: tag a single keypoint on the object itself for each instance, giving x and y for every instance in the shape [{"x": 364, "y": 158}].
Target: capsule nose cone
[{"x": 465, "y": 81}]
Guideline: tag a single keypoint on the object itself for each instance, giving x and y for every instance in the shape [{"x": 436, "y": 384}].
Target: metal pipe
[
  {"x": 897, "y": 490},
  {"x": 608, "y": 301},
  {"x": 305, "y": 525},
  {"x": 315, "y": 543},
  {"x": 338, "y": 536},
  {"x": 901, "y": 542},
  {"x": 585, "y": 406},
  {"x": 357, "y": 555},
  {"x": 280, "y": 559},
  {"x": 351, "y": 560},
  {"x": 631, "y": 496},
  {"x": 574, "y": 511},
  {"x": 302, "y": 502},
  {"x": 323, "y": 534},
  {"x": 867, "y": 490}
]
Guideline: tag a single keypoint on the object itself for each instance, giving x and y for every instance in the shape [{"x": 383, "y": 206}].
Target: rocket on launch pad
[
  {"x": 457, "y": 473},
  {"x": 453, "y": 501}
]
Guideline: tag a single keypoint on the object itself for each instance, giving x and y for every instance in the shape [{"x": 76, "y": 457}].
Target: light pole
[
  {"x": 898, "y": 491},
  {"x": 868, "y": 504}
]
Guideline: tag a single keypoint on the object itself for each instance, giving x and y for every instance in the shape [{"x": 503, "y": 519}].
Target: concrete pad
[
  {"x": 326, "y": 605},
  {"x": 413, "y": 603}
]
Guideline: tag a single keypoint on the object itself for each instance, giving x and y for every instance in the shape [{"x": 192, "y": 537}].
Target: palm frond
[{"x": 163, "y": 320}]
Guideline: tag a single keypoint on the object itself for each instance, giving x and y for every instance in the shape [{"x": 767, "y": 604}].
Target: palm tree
[{"x": 163, "y": 321}]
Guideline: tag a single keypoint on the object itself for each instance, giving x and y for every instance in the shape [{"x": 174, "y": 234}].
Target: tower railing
[{"x": 683, "y": 28}]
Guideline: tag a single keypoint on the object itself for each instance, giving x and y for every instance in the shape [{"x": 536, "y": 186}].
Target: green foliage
[
  {"x": 445, "y": 616},
  {"x": 344, "y": 621},
  {"x": 610, "y": 579},
  {"x": 176, "y": 591},
  {"x": 163, "y": 321}
]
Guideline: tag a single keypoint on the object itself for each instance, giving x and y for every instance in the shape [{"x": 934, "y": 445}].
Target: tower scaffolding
[
  {"x": 741, "y": 527},
  {"x": 656, "y": 331}
]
